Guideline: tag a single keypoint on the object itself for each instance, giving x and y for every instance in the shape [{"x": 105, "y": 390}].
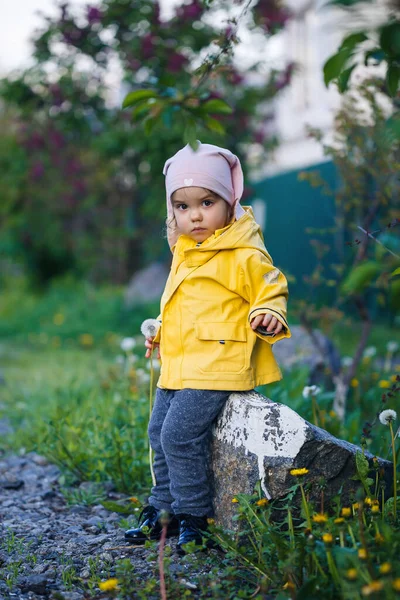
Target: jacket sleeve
[
  {"x": 266, "y": 290},
  {"x": 158, "y": 334}
]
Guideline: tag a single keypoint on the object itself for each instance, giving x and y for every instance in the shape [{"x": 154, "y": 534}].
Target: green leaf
[
  {"x": 395, "y": 272},
  {"x": 376, "y": 53},
  {"x": 138, "y": 96},
  {"x": 335, "y": 65},
  {"x": 390, "y": 39},
  {"x": 214, "y": 125},
  {"x": 217, "y": 106},
  {"x": 140, "y": 111},
  {"x": 352, "y": 40},
  {"x": 360, "y": 277},
  {"x": 344, "y": 77},
  {"x": 190, "y": 133},
  {"x": 392, "y": 78},
  {"x": 362, "y": 465}
]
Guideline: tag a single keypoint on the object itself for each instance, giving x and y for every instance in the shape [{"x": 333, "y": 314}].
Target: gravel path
[{"x": 51, "y": 549}]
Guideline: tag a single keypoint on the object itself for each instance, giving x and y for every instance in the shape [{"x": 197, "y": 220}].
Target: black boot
[
  {"x": 149, "y": 517},
  {"x": 191, "y": 529}
]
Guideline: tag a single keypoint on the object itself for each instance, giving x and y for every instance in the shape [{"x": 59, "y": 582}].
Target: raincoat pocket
[{"x": 222, "y": 347}]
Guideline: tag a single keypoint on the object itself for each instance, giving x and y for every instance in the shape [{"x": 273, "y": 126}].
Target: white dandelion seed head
[
  {"x": 311, "y": 390},
  {"x": 347, "y": 361},
  {"x": 387, "y": 416},
  {"x": 369, "y": 352},
  {"x": 150, "y": 327},
  {"x": 128, "y": 344},
  {"x": 392, "y": 346}
]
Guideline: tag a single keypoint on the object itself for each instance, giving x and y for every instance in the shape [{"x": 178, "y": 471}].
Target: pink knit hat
[{"x": 210, "y": 167}]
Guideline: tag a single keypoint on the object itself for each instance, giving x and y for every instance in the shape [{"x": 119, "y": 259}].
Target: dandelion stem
[
  {"x": 394, "y": 472},
  {"x": 353, "y": 539},
  {"x": 153, "y": 477},
  {"x": 314, "y": 409},
  {"x": 332, "y": 568},
  {"x": 305, "y": 504}
]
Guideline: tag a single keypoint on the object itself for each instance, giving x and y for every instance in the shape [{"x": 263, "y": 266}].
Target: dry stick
[
  {"x": 153, "y": 477},
  {"x": 163, "y": 590}
]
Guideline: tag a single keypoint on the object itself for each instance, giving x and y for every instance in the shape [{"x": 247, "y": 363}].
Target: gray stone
[
  {"x": 36, "y": 584},
  {"x": 255, "y": 439},
  {"x": 147, "y": 285}
]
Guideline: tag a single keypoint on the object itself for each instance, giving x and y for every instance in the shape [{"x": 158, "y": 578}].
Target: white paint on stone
[{"x": 262, "y": 427}]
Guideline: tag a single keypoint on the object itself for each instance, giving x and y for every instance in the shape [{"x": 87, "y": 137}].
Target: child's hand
[
  {"x": 269, "y": 321},
  {"x": 149, "y": 345}
]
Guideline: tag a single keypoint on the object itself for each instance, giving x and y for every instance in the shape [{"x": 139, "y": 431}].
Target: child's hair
[{"x": 170, "y": 224}]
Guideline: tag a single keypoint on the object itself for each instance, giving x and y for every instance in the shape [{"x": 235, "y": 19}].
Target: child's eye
[
  {"x": 208, "y": 202},
  {"x": 181, "y": 206}
]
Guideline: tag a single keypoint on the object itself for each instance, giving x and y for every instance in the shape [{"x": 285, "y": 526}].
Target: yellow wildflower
[
  {"x": 375, "y": 508},
  {"x": 393, "y": 378},
  {"x": 397, "y": 368},
  {"x": 368, "y": 501},
  {"x": 320, "y": 518},
  {"x": 289, "y": 586},
  {"x": 262, "y": 502},
  {"x": 351, "y": 574},
  {"x": 339, "y": 521},
  {"x": 109, "y": 584},
  {"x": 58, "y": 319},
  {"x": 86, "y": 339},
  {"x": 332, "y": 414},
  {"x": 354, "y": 382},
  {"x": 372, "y": 588},
  {"x": 211, "y": 521},
  {"x": 385, "y": 568},
  {"x": 379, "y": 539},
  {"x": 346, "y": 512},
  {"x": 134, "y": 500},
  {"x": 362, "y": 554},
  {"x": 384, "y": 383},
  {"x": 396, "y": 584},
  {"x": 327, "y": 538},
  {"x": 298, "y": 472},
  {"x": 235, "y": 500},
  {"x": 356, "y": 506}
]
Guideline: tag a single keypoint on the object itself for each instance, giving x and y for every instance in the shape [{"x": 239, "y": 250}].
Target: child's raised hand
[
  {"x": 267, "y": 320},
  {"x": 149, "y": 345}
]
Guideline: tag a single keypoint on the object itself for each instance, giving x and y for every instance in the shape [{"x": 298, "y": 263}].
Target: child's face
[{"x": 199, "y": 213}]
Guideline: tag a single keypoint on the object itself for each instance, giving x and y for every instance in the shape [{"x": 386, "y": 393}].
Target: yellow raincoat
[{"x": 213, "y": 291}]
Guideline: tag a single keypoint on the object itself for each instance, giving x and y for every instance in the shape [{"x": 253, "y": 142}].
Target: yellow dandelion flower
[
  {"x": 379, "y": 539},
  {"x": 339, "y": 521},
  {"x": 356, "y": 506},
  {"x": 332, "y": 414},
  {"x": 354, "y": 382},
  {"x": 262, "y": 502},
  {"x": 211, "y": 521},
  {"x": 375, "y": 509},
  {"x": 362, "y": 554},
  {"x": 320, "y": 518},
  {"x": 58, "y": 319},
  {"x": 86, "y": 339},
  {"x": 396, "y": 584},
  {"x": 384, "y": 383},
  {"x": 351, "y": 574},
  {"x": 289, "y": 586},
  {"x": 393, "y": 378},
  {"x": 235, "y": 500},
  {"x": 298, "y": 472},
  {"x": 346, "y": 512},
  {"x": 385, "y": 568},
  {"x": 327, "y": 538},
  {"x": 109, "y": 584},
  {"x": 372, "y": 588},
  {"x": 368, "y": 501},
  {"x": 134, "y": 500}
]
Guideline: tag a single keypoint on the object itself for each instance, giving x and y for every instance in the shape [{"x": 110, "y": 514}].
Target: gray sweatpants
[{"x": 179, "y": 433}]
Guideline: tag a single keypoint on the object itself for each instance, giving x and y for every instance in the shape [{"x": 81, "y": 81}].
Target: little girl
[{"x": 223, "y": 307}]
